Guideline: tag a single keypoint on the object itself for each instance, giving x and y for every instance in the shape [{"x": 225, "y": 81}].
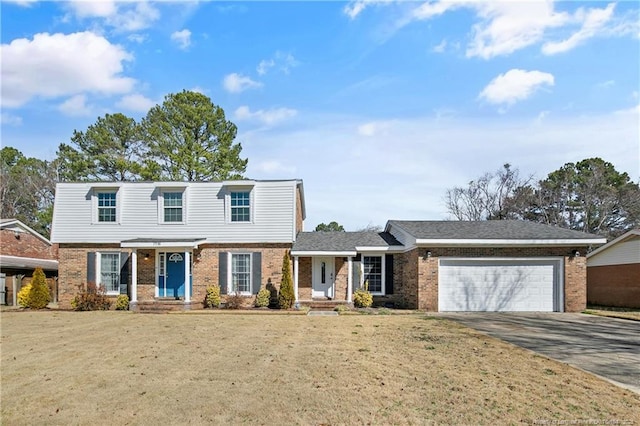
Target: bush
[
  {"x": 262, "y": 298},
  {"x": 122, "y": 302},
  {"x": 23, "y": 295},
  {"x": 212, "y": 300},
  {"x": 362, "y": 298},
  {"x": 235, "y": 301},
  {"x": 91, "y": 299},
  {"x": 35, "y": 295},
  {"x": 286, "y": 296}
]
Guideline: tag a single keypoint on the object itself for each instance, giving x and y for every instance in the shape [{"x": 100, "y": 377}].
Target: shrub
[
  {"x": 122, "y": 302},
  {"x": 212, "y": 300},
  {"x": 362, "y": 298},
  {"x": 23, "y": 295},
  {"x": 91, "y": 299},
  {"x": 262, "y": 298},
  {"x": 341, "y": 308},
  {"x": 35, "y": 295},
  {"x": 235, "y": 301},
  {"x": 286, "y": 296}
]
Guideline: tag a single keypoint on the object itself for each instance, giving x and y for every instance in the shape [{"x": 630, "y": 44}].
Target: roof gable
[{"x": 18, "y": 226}]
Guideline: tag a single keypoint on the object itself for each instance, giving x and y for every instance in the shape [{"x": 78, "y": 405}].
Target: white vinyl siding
[
  {"x": 272, "y": 218},
  {"x": 622, "y": 253}
]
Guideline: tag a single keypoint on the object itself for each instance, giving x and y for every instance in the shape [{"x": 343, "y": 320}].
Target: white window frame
[
  {"x": 161, "y": 206},
  {"x": 98, "y": 267},
  {"x": 382, "y": 271},
  {"x": 95, "y": 205},
  {"x": 230, "y": 274},
  {"x": 228, "y": 207}
]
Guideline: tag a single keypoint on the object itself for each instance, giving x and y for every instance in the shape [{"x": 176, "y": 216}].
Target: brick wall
[
  {"x": 27, "y": 245},
  {"x": 419, "y": 286},
  {"x": 614, "y": 285},
  {"x": 73, "y": 268}
]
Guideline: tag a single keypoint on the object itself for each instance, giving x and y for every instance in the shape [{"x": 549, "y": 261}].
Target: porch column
[
  {"x": 15, "y": 290},
  {"x": 134, "y": 276},
  {"x": 349, "y": 278},
  {"x": 187, "y": 277},
  {"x": 295, "y": 277}
]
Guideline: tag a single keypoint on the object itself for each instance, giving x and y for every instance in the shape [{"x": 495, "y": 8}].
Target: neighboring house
[
  {"x": 22, "y": 250},
  {"x": 166, "y": 242},
  {"x": 613, "y": 272},
  {"x": 449, "y": 266}
]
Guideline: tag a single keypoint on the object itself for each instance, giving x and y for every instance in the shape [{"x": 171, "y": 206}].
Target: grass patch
[
  {"x": 110, "y": 367},
  {"x": 614, "y": 312}
]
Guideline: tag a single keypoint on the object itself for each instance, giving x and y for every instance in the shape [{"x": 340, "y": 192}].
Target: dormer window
[
  {"x": 240, "y": 206},
  {"x": 173, "y": 207},
  {"x": 106, "y": 206}
]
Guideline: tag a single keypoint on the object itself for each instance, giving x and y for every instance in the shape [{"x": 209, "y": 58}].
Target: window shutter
[
  {"x": 355, "y": 269},
  {"x": 256, "y": 272},
  {"x": 388, "y": 274},
  {"x": 91, "y": 267},
  {"x": 124, "y": 273},
  {"x": 222, "y": 272}
]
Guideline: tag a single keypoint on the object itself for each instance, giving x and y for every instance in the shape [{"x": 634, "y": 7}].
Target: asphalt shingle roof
[
  {"x": 487, "y": 230},
  {"x": 342, "y": 241}
]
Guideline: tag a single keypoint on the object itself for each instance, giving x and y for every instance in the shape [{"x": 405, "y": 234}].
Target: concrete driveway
[{"x": 607, "y": 347}]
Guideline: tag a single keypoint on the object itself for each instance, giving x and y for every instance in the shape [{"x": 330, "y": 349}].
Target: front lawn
[{"x": 126, "y": 368}]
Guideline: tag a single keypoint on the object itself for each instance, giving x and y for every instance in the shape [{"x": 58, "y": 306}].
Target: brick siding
[{"x": 614, "y": 285}]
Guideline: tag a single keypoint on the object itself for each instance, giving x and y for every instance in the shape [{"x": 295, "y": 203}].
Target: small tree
[
  {"x": 39, "y": 293},
  {"x": 287, "y": 296}
]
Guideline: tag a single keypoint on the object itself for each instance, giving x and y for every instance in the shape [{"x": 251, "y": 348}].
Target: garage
[{"x": 500, "y": 285}]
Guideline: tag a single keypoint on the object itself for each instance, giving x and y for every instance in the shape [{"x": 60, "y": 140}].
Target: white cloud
[
  {"x": 428, "y": 10},
  {"x": 439, "y": 48},
  {"x": 23, "y": 3},
  {"x": 264, "y": 66},
  {"x": 506, "y": 27},
  {"x": 182, "y": 38},
  {"x": 275, "y": 166},
  {"x": 606, "y": 84},
  {"x": 53, "y": 65},
  {"x": 136, "y": 102},
  {"x": 515, "y": 85},
  {"x": 282, "y": 61},
  {"x": 76, "y": 106},
  {"x": 268, "y": 117},
  {"x": 126, "y": 16},
  {"x": 593, "y": 21},
  {"x": 236, "y": 83},
  {"x": 10, "y": 119},
  {"x": 374, "y": 128},
  {"x": 199, "y": 89},
  {"x": 137, "y": 38},
  {"x": 353, "y": 9}
]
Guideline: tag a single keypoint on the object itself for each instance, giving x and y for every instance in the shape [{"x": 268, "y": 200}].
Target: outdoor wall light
[
  {"x": 427, "y": 255},
  {"x": 146, "y": 256},
  {"x": 575, "y": 253}
]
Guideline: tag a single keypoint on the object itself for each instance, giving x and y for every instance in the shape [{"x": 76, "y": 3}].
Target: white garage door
[{"x": 507, "y": 285}]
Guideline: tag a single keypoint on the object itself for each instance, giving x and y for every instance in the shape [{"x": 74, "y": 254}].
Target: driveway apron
[{"x": 607, "y": 347}]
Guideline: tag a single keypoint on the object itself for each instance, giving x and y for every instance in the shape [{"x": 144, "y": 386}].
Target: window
[
  {"x": 172, "y": 206},
  {"x": 106, "y": 206},
  {"x": 241, "y": 206},
  {"x": 110, "y": 272},
  {"x": 240, "y": 273},
  {"x": 372, "y": 266}
]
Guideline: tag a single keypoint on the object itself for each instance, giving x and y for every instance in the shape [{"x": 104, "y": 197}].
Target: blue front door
[{"x": 175, "y": 275}]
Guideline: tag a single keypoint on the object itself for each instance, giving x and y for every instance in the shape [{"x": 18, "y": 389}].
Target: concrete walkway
[{"x": 607, "y": 347}]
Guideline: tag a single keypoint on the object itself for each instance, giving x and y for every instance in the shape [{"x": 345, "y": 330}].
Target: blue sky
[{"x": 379, "y": 106}]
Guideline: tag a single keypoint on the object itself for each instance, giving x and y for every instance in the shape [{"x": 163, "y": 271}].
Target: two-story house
[
  {"x": 160, "y": 241},
  {"x": 166, "y": 242}
]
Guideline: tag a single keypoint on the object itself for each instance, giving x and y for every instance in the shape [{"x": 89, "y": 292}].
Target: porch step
[
  {"x": 323, "y": 304},
  {"x": 161, "y": 305}
]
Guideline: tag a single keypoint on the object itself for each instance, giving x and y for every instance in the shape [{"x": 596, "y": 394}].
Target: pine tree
[{"x": 287, "y": 296}]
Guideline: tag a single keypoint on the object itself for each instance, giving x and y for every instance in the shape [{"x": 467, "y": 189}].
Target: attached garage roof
[
  {"x": 492, "y": 231},
  {"x": 30, "y": 263},
  {"x": 343, "y": 243}
]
